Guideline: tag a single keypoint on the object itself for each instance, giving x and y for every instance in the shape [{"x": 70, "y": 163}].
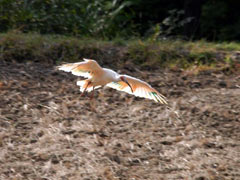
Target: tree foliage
[
  {"x": 85, "y": 17},
  {"x": 218, "y": 20}
]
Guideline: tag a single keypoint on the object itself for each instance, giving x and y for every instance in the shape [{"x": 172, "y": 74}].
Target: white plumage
[{"x": 98, "y": 76}]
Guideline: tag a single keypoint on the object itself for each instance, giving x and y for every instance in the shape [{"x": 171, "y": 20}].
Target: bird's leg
[
  {"x": 92, "y": 95},
  {"x": 89, "y": 82},
  {"x": 92, "y": 103}
]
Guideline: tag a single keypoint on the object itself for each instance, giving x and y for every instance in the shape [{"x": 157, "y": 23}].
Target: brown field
[{"x": 48, "y": 132}]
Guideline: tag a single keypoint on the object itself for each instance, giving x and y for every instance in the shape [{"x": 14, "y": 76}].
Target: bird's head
[{"x": 124, "y": 79}]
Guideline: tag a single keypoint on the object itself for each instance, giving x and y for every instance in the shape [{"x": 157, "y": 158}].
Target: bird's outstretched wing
[
  {"x": 140, "y": 88},
  {"x": 88, "y": 68}
]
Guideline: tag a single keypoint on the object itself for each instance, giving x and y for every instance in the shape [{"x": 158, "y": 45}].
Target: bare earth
[{"x": 48, "y": 132}]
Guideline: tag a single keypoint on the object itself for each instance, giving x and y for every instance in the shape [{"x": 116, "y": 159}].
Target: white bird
[{"x": 98, "y": 76}]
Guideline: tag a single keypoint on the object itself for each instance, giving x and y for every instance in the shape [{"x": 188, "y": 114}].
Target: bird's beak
[{"x": 129, "y": 85}]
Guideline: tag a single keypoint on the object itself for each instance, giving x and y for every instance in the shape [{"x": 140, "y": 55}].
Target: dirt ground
[{"x": 48, "y": 132}]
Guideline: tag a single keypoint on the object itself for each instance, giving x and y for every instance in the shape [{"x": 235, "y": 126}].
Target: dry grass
[{"x": 47, "y": 131}]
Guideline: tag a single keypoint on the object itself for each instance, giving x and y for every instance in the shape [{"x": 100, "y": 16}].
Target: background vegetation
[
  {"x": 108, "y": 19},
  {"x": 149, "y": 54}
]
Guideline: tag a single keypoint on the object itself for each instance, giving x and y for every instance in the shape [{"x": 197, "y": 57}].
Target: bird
[{"x": 98, "y": 77}]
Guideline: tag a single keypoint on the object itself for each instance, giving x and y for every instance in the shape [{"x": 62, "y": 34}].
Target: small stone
[
  {"x": 222, "y": 84},
  {"x": 33, "y": 140}
]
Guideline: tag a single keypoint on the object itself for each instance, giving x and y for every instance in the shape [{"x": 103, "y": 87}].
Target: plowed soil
[{"x": 48, "y": 132}]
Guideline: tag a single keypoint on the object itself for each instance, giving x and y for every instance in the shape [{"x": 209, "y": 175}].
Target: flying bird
[{"x": 98, "y": 76}]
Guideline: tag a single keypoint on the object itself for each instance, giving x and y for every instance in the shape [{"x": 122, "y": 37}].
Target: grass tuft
[{"x": 20, "y": 47}]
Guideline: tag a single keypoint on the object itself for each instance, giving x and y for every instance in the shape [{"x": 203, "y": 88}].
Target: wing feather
[
  {"x": 87, "y": 68},
  {"x": 140, "y": 88}
]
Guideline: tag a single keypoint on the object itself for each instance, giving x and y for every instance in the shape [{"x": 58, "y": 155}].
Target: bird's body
[
  {"x": 98, "y": 76},
  {"x": 107, "y": 77}
]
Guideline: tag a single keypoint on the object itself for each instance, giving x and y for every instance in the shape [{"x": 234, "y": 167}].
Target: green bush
[{"x": 102, "y": 18}]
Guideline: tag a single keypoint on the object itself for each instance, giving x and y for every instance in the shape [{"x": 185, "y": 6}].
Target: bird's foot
[{"x": 91, "y": 97}]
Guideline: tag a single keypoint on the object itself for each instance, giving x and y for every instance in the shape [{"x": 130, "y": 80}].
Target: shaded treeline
[{"x": 188, "y": 19}]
